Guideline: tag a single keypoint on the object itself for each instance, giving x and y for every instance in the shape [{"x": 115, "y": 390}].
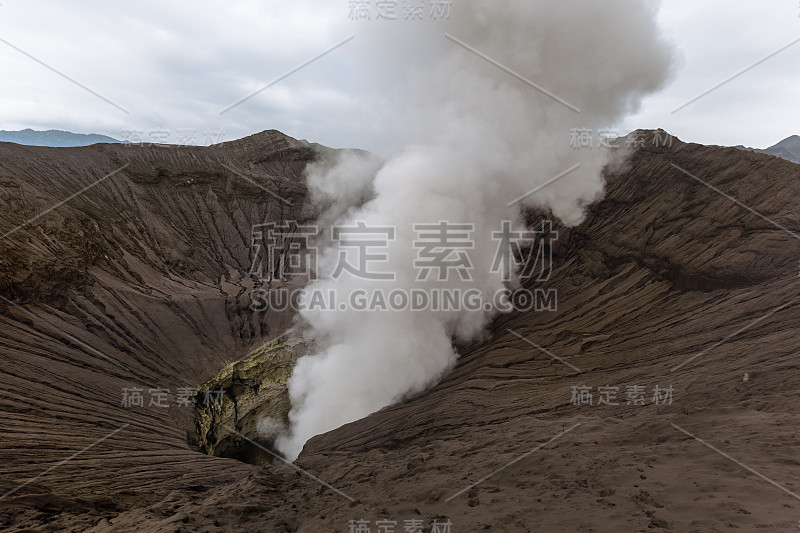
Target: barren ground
[{"x": 142, "y": 282}]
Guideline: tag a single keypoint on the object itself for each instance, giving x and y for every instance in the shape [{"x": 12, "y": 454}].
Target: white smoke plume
[{"x": 471, "y": 137}]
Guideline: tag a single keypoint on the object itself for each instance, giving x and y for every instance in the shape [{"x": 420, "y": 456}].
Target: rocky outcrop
[{"x": 242, "y": 408}]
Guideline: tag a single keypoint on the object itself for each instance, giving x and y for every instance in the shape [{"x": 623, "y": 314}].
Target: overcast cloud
[{"x": 175, "y": 66}]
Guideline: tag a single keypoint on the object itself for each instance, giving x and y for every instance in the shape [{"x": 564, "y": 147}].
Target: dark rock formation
[{"x": 242, "y": 408}]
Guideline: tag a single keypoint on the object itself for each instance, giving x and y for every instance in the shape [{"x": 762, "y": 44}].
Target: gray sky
[{"x": 175, "y": 66}]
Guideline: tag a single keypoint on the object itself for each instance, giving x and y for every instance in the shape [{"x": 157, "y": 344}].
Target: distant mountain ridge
[
  {"x": 788, "y": 149},
  {"x": 54, "y": 138}
]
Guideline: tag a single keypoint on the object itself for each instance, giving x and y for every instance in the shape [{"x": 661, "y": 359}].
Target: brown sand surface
[{"x": 142, "y": 281}]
